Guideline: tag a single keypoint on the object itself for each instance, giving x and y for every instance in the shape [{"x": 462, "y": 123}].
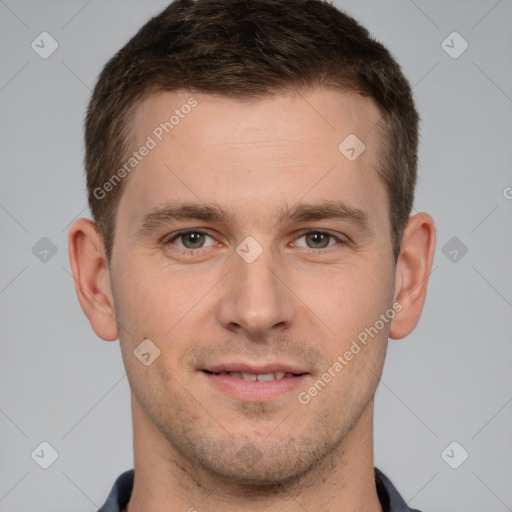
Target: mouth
[
  {"x": 250, "y": 383},
  {"x": 260, "y": 377}
]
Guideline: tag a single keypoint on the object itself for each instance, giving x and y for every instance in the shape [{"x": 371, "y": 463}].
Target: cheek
[
  {"x": 356, "y": 351},
  {"x": 148, "y": 301},
  {"x": 348, "y": 300}
]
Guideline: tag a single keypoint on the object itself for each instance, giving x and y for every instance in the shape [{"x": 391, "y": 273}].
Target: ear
[
  {"x": 412, "y": 273},
  {"x": 92, "y": 282}
]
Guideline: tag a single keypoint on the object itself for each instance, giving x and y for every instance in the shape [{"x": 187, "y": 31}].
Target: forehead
[
  {"x": 325, "y": 111},
  {"x": 273, "y": 150}
]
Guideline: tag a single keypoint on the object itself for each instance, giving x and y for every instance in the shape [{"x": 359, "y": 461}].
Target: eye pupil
[
  {"x": 318, "y": 239},
  {"x": 194, "y": 238}
]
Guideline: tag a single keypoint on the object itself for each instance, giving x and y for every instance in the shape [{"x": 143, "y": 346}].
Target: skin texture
[{"x": 300, "y": 302}]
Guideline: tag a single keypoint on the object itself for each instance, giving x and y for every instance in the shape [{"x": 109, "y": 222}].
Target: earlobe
[
  {"x": 412, "y": 273},
  {"x": 91, "y": 274}
]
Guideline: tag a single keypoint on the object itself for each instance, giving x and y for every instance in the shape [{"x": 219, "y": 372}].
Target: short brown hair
[{"x": 249, "y": 49}]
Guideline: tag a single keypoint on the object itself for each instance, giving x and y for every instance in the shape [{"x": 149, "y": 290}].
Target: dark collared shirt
[{"x": 389, "y": 497}]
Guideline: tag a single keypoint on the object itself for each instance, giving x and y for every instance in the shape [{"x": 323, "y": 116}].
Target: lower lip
[{"x": 257, "y": 391}]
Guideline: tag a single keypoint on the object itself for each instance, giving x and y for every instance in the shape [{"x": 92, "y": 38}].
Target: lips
[{"x": 255, "y": 382}]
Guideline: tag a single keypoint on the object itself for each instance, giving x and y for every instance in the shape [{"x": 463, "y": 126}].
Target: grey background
[{"x": 450, "y": 380}]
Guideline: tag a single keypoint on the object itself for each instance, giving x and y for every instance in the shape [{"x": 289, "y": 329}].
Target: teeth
[
  {"x": 266, "y": 376},
  {"x": 261, "y": 377}
]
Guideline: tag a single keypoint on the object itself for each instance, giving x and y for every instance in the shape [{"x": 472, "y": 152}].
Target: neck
[{"x": 165, "y": 480}]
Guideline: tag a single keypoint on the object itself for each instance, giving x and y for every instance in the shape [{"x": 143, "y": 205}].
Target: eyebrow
[
  {"x": 338, "y": 210},
  {"x": 211, "y": 212},
  {"x": 193, "y": 211}
]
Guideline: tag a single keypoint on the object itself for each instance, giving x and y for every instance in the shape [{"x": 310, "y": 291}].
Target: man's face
[{"x": 275, "y": 287}]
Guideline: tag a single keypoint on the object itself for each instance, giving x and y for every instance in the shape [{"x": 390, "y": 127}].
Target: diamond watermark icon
[
  {"x": 352, "y": 147},
  {"x": 44, "y": 250},
  {"x": 44, "y": 45},
  {"x": 249, "y": 453},
  {"x": 454, "y": 45},
  {"x": 44, "y": 455},
  {"x": 249, "y": 249},
  {"x": 454, "y": 455},
  {"x": 146, "y": 352},
  {"x": 454, "y": 249}
]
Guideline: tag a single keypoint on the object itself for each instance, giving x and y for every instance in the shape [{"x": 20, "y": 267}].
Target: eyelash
[{"x": 308, "y": 250}]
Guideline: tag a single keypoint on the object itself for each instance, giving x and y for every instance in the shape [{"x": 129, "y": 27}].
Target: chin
[{"x": 264, "y": 466}]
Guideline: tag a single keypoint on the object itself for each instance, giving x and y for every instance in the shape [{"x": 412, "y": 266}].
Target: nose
[{"x": 255, "y": 299}]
